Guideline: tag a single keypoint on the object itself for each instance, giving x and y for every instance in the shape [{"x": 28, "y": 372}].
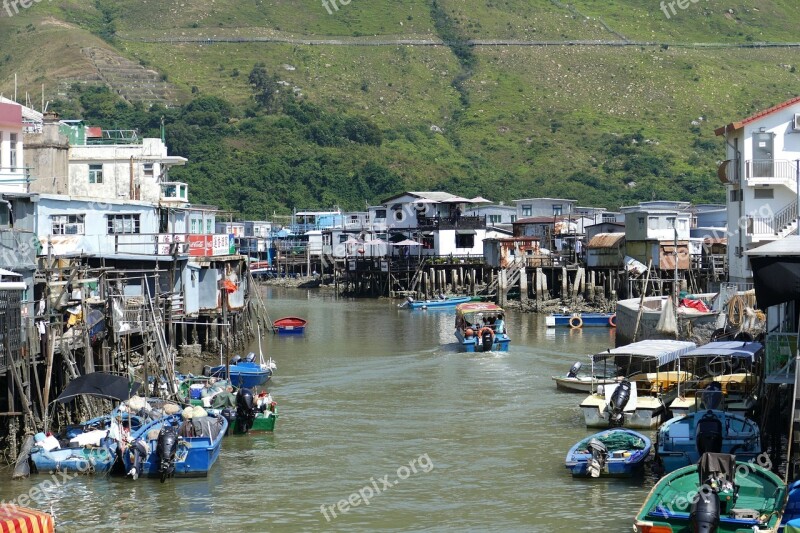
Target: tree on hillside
[{"x": 265, "y": 86}]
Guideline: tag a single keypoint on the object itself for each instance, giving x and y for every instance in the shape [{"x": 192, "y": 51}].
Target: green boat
[
  {"x": 719, "y": 494},
  {"x": 217, "y": 394},
  {"x": 263, "y": 422}
]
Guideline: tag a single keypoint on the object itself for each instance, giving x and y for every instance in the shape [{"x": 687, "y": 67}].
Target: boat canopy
[
  {"x": 663, "y": 351},
  {"x": 737, "y": 349},
  {"x": 478, "y": 307},
  {"x": 100, "y": 384}
]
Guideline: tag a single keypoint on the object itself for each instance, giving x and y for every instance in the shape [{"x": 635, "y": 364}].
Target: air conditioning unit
[{"x": 796, "y": 122}]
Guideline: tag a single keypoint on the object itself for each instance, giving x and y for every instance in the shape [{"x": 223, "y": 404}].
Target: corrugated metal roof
[{"x": 606, "y": 240}]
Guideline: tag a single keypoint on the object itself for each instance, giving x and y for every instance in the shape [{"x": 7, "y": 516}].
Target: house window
[
  {"x": 67, "y": 224},
  {"x": 670, "y": 222},
  {"x": 194, "y": 226},
  {"x": 641, "y": 222},
  {"x": 208, "y": 226},
  {"x": 557, "y": 210},
  {"x": 763, "y": 194},
  {"x": 682, "y": 224},
  {"x": 13, "y": 152},
  {"x": 5, "y": 219},
  {"x": 147, "y": 169},
  {"x": 513, "y": 218},
  {"x": 380, "y": 213},
  {"x": 527, "y": 210},
  {"x": 119, "y": 224},
  {"x": 95, "y": 173},
  {"x": 494, "y": 219},
  {"x": 465, "y": 241},
  {"x": 736, "y": 195},
  {"x": 609, "y": 218},
  {"x": 652, "y": 222}
]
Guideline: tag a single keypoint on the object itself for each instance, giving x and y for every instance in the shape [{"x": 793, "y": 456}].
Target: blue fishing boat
[
  {"x": 87, "y": 448},
  {"x": 245, "y": 373},
  {"x": 177, "y": 445},
  {"x": 581, "y": 320},
  {"x": 480, "y": 327},
  {"x": 441, "y": 303},
  {"x": 614, "y": 452},
  {"x": 682, "y": 440},
  {"x": 90, "y": 447}
]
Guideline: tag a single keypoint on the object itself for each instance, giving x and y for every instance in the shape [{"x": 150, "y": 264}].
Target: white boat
[
  {"x": 645, "y": 385},
  {"x": 574, "y": 381},
  {"x": 725, "y": 365}
]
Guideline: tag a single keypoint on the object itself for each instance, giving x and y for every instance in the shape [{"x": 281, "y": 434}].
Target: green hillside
[{"x": 558, "y": 112}]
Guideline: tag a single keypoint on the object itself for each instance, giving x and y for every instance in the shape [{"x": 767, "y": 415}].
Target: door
[{"x": 762, "y": 155}]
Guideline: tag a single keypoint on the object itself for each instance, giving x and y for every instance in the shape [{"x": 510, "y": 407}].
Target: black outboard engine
[
  {"x": 487, "y": 340},
  {"x": 235, "y": 359},
  {"x": 599, "y": 455},
  {"x": 709, "y": 434},
  {"x": 166, "y": 448},
  {"x": 250, "y": 357},
  {"x": 616, "y": 406},
  {"x": 705, "y": 511},
  {"x": 712, "y": 395},
  {"x": 245, "y": 409},
  {"x": 573, "y": 372}
]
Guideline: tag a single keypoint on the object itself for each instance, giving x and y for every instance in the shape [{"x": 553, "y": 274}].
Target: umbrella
[{"x": 407, "y": 242}]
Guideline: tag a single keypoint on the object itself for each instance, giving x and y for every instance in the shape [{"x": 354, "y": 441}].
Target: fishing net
[
  {"x": 615, "y": 441},
  {"x": 667, "y": 323}
]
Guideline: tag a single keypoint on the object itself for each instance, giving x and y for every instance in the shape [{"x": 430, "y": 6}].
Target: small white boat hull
[{"x": 583, "y": 384}]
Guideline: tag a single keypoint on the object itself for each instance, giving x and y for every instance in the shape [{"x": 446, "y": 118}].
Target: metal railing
[
  {"x": 785, "y": 217},
  {"x": 459, "y": 222},
  {"x": 775, "y": 170},
  {"x": 780, "y": 348}
]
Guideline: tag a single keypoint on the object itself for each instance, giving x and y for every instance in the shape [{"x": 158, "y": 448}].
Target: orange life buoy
[
  {"x": 612, "y": 320},
  {"x": 485, "y": 328},
  {"x": 575, "y": 322}
]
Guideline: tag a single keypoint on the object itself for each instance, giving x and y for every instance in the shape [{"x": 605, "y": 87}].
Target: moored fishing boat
[
  {"x": 184, "y": 444},
  {"x": 574, "y": 381},
  {"x": 646, "y": 383},
  {"x": 719, "y": 494},
  {"x": 682, "y": 440},
  {"x": 614, "y": 452},
  {"x": 290, "y": 325},
  {"x": 581, "y": 320},
  {"x": 480, "y": 327},
  {"x": 90, "y": 447},
  {"x": 441, "y": 303}
]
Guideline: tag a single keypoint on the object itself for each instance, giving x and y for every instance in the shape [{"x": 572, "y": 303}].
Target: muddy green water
[{"x": 376, "y": 399}]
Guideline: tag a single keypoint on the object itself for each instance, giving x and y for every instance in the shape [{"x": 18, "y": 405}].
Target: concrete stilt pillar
[
  {"x": 472, "y": 282},
  {"x": 523, "y": 285},
  {"x": 564, "y": 284}
]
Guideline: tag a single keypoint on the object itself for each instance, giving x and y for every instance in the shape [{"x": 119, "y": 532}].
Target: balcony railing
[
  {"x": 770, "y": 170},
  {"x": 772, "y": 226}
]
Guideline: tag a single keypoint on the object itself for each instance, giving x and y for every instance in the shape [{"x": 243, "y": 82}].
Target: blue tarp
[{"x": 664, "y": 351}]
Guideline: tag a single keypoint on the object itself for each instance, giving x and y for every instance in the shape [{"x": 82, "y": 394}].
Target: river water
[{"x": 377, "y": 403}]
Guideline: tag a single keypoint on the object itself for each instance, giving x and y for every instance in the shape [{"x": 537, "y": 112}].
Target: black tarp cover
[
  {"x": 776, "y": 279},
  {"x": 99, "y": 384}
]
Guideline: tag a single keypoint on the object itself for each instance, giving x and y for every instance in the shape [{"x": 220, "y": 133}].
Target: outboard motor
[
  {"x": 599, "y": 456},
  {"x": 251, "y": 357},
  {"x": 245, "y": 409},
  {"x": 573, "y": 372},
  {"x": 712, "y": 395},
  {"x": 166, "y": 448},
  {"x": 616, "y": 406},
  {"x": 139, "y": 450},
  {"x": 705, "y": 511},
  {"x": 709, "y": 434},
  {"x": 235, "y": 359},
  {"x": 487, "y": 340}
]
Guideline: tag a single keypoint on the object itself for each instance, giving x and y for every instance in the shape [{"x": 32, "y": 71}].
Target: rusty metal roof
[{"x": 606, "y": 240}]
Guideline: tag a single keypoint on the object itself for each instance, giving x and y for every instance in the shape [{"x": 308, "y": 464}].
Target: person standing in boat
[{"x": 499, "y": 325}]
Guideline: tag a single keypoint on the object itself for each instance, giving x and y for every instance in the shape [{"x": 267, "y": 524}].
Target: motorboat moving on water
[{"x": 481, "y": 327}]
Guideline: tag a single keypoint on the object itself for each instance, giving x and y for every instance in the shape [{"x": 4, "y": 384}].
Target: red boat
[{"x": 290, "y": 325}]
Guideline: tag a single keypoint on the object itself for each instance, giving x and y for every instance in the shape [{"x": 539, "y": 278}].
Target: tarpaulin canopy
[
  {"x": 99, "y": 384},
  {"x": 776, "y": 279},
  {"x": 663, "y": 351},
  {"x": 738, "y": 349},
  {"x": 16, "y": 518}
]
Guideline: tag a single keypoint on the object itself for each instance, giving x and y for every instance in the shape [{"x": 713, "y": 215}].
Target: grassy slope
[{"x": 538, "y": 120}]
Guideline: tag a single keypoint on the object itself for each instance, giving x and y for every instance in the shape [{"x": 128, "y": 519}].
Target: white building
[
  {"x": 544, "y": 207},
  {"x": 13, "y": 174},
  {"x": 652, "y": 230},
  {"x": 760, "y": 174}
]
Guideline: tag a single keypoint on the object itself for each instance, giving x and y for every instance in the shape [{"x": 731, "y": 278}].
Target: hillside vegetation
[{"x": 359, "y": 115}]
